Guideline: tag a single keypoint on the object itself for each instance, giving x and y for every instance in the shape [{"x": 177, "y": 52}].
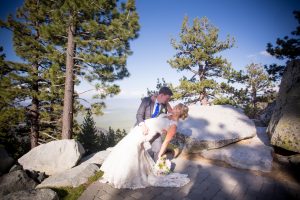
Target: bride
[{"x": 129, "y": 165}]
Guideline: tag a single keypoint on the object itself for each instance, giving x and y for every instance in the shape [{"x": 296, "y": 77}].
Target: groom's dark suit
[
  {"x": 146, "y": 109},
  {"x": 144, "y": 112}
]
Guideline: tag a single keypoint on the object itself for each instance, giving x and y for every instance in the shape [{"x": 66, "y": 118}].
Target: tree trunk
[
  {"x": 69, "y": 86},
  {"x": 203, "y": 96},
  {"x": 34, "y": 113},
  {"x": 203, "y": 99},
  {"x": 254, "y": 94}
]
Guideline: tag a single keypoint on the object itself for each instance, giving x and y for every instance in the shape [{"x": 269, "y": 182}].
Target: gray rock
[
  {"x": 96, "y": 158},
  {"x": 71, "y": 177},
  {"x": 42, "y": 176},
  {"x": 15, "y": 181},
  {"x": 210, "y": 127},
  {"x": 266, "y": 114},
  {"x": 5, "y": 161},
  {"x": 40, "y": 194},
  {"x": 284, "y": 127},
  {"x": 293, "y": 159},
  {"x": 53, "y": 157},
  {"x": 251, "y": 154}
]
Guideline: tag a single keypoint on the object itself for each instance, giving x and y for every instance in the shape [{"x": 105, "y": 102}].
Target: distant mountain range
[{"x": 119, "y": 113}]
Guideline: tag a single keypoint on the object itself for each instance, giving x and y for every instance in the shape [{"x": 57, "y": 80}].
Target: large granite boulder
[
  {"x": 254, "y": 153},
  {"x": 96, "y": 158},
  {"x": 284, "y": 127},
  {"x": 210, "y": 127},
  {"x": 15, "y": 181},
  {"x": 53, "y": 157},
  {"x": 71, "y": 177}
]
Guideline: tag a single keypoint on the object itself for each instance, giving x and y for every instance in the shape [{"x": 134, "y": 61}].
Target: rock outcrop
[
  {"x": 96, "y": 158},
  {"x": 284, "y": 127},
  {"x": 71, "y": 177},
  {"x": 210, "y": 127},
  {"x": 266, "y": 115},
  {"x": 254, "y": 153},
  {"x": 53, "y": 157},
  {"x": 15, "y": 181}
]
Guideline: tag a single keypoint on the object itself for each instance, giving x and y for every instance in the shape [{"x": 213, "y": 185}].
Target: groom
[{"x": 151, "y": 107}]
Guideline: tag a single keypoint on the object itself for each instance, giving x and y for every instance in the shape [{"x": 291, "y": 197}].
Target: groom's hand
[{"x": 145, "y": 129}]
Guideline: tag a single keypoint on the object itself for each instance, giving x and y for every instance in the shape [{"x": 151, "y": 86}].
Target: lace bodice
[
  {"x": 160, "y": 123},
  {"x": 157, "y": 125}
]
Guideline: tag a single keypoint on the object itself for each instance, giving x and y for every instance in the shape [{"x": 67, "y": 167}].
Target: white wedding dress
[{"x": 129, "y": 165}]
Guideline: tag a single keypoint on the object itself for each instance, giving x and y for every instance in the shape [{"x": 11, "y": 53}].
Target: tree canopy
[{"x": 198, "y": 53}]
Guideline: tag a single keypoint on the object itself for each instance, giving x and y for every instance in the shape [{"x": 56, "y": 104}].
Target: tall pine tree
[
  {"x": 197, "y": 52},
  {"x": 30, "y": 46},
  {"x": 95, "y": 35}
]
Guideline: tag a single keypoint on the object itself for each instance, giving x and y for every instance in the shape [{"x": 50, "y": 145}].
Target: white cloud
[{"x": 265, "y": 53}]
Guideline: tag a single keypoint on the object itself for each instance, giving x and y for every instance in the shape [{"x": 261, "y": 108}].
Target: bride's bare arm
[{"x": 170, "y": 134}]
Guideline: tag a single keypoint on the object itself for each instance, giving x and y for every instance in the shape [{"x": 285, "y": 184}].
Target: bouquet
[{"x": 162, "y": 166}]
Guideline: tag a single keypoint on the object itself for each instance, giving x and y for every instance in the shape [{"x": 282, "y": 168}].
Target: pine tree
[
  {"x": 103, "y": 141},
  {"x": 111, "y": 137},
  {"x": 119, "y": 135},
  {"x": 88, "y": 136},
  {"x": 11, "y": 110},
  {"x": 197, "y": 53},
  {"x": 96, "y": 37},
  {"x": 258, "y": 87},
  {"x": 52, "y": 106},
  {"x": 12, "y": 113},
  {"x": 30, "y": 46},
  {"x": 287, "y": 48},
  {"x": 227, "y": 92}
]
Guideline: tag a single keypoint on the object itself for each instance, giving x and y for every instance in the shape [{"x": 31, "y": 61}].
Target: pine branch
[
  {"x": 86, "y": 91},
  {"x": 61, "y": 36},
  {"x": 78, "y": 58},
  {"x": 83, "y": 100},
  {"x": 194, "y": 71},
  {"x": 48, "y": 135},
  {"x": 48, "y": 122}
]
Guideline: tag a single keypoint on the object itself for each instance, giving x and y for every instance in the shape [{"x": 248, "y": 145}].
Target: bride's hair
[{"x": 183, "y": 110}]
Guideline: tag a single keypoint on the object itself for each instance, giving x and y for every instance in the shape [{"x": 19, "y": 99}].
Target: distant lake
[{"x": 119, "y": 113}]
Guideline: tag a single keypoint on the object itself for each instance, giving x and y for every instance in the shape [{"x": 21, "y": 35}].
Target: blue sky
[{"x": 253, "y": 23}]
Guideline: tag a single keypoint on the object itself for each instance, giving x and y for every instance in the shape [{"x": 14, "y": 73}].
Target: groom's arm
[{"x": 140, "y": 115}]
